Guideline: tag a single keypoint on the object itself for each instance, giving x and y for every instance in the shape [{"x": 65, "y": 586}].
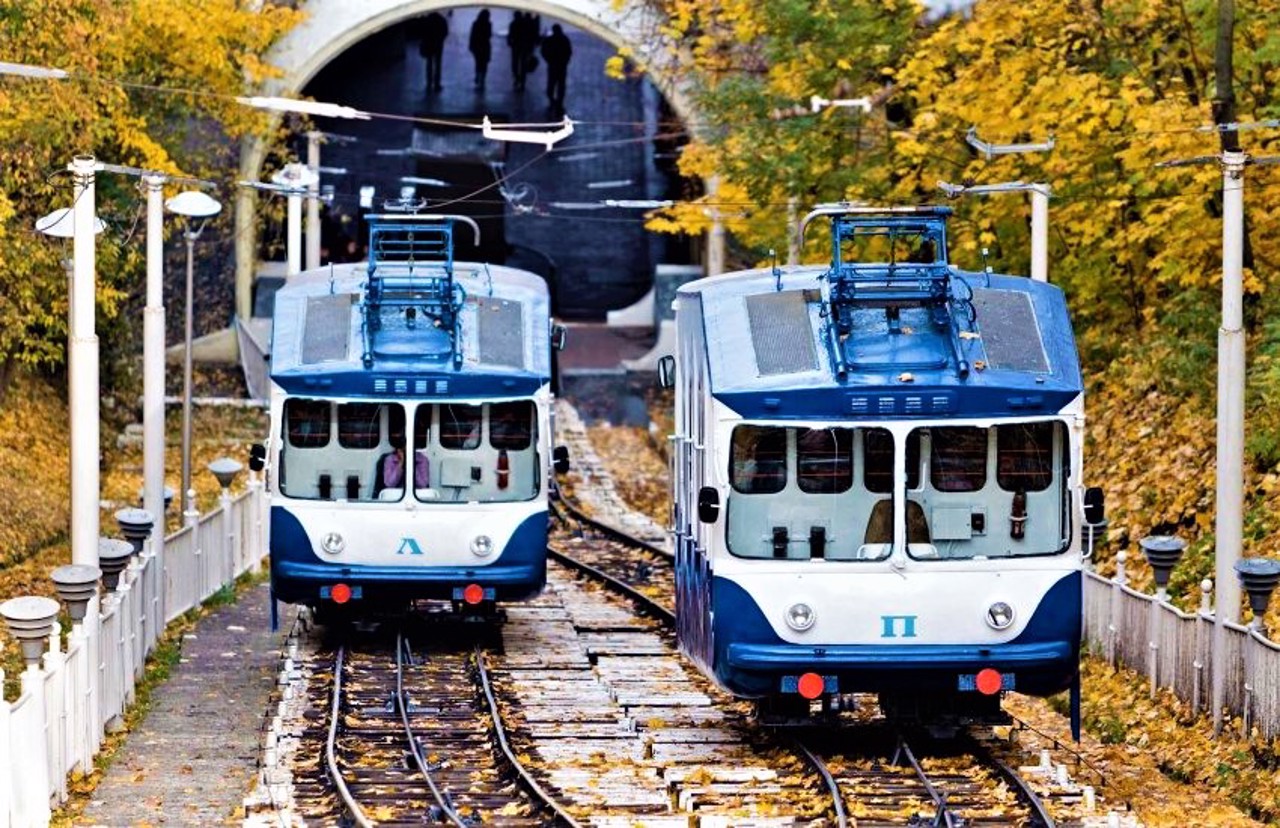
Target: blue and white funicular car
[
  {"x": 411, "y": 431},
  {"x": 878, "y": 476}
]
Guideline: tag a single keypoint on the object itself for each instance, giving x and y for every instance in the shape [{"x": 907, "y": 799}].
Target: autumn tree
[
  {"x": 754, "y": 68},
  {"x": 127, "y": 59}
]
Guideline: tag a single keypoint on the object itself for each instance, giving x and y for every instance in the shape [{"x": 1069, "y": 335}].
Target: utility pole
[
  {"x": 80, "y": 224},
  {"x": 715, "y": 237},
  {"x": 153, "y": 368},
  {"x": 1229, "y": 519},
  {"x": 313, "y": 199},
  {"x": 84, "y": 396},
  {"x": 294, "y": 180},
  {"x": 1229, "y": 523},
  {"x": 793, "y": 238},
  {"x": 1224, "y": 97}
]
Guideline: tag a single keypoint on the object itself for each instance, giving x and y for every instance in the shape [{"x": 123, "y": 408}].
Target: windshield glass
[
  {"x": 998, "y": 491},
  {"x": 805, "y": 493},
  {"x": 357, "y": 451}
]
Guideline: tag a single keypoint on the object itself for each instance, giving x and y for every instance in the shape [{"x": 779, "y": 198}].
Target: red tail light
[
  {"x": 473, "y": 594},
  {"x": 504, "y": 469},
  {"x": 811, "y": 685},
  {"x": 988, "y": 681},
  {"x": 341, "y": 593}
]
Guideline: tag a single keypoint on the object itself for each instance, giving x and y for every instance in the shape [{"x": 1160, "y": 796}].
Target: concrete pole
[
  {"x": 715, "y": 238},
  {"x": 793, "y": 232},
  {"x": 313, "y": 200},
  {"x": 83, "y": 358},
  {"x": 1229, "y": 525},
  {"x": 1040, "y": 232},
  {"x": 186, "y": 372},
  {"x": 295, "y": 233},
  {"x": 153, "y": 369},
  {"x": 246, "y": 250}
]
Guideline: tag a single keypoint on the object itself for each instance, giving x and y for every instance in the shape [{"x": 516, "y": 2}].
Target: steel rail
[
  {"x": 943, "y": 816},
  {"x": 500, "y": 732},
  {"x": 577, "y": 514},
  {"x": 415, "y": 747},
  {"x": 837, "y": 798},
  {"x": 331, "y": 759},
  {"x": 668, "y": 619},
  {"x": 1040, "y": 817},
  {"x": 1040, "y": 812},
  {"x": 664, "y": 615}
]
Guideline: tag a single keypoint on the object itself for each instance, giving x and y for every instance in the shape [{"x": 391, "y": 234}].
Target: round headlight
[
  {"x": 481, "y": 545},
  {"x": 999, "y": 616},
  {"x": 333, "y": 543},
  {"x": 800, "y": 617}
]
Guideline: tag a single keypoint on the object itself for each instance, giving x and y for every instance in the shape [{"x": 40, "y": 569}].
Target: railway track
[
  {"x": 974, "y": 789},
  {"x": 413, "y": 739},
  {"x": 607, "y": 720},
  {"x": 632, "y": 567},
  {"x": 959, "y": 785}
]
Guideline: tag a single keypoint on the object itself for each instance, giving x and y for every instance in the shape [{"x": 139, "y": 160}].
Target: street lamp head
[
  {"x": 194, "y": 205},
  {"x": 225, "y": 469},
  {"x": 60, "y": 224}
]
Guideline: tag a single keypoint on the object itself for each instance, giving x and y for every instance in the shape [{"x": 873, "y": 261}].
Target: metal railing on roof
[
  {"x": 920, "y": 278},
  {"x": 411, "y": 269}
]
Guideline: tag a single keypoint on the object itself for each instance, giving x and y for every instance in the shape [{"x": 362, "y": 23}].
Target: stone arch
[{"x": 333, "y": 26}]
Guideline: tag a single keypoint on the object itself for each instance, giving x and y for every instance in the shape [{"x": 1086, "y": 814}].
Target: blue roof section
[
  {"x": 318, "y": 339},
  {"x": 1014, "y": 333}
]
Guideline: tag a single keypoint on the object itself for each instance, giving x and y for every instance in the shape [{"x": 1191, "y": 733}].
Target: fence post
[
  {"x": 55, "y": 662},
  {"x": 258, "y": 483},
  {"x": 1117, "y": 596},
  {"x": 94, "y": 723},
  {"x": 33, "y": 792},
  {"x": 127, "y": 614},
  {"x": 1204, "y": 616},
  {"x": 6, "y": 761},
  {"x": 1153, "y": 646},
  {"x": 32, "y": 620},
  {"x": 226, "y": 470}
]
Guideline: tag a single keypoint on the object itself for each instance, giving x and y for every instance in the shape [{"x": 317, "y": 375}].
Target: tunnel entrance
[{"x": 566, "y": 214}]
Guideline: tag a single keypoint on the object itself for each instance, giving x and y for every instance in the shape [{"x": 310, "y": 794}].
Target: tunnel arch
[{"x": 333, "y": 26}]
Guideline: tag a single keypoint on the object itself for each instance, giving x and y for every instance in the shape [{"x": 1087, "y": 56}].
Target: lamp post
[
  {"x": 197, "y": 207},
  {"x": 80, "y": 224}
]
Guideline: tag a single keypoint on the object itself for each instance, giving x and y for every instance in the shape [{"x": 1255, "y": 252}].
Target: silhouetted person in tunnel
[
  {"x": 556, "y": 51},
  {"x": 521, "y": 39},
  {"x": 481, "y": 33},
  {"x": 434, "y": 31}
]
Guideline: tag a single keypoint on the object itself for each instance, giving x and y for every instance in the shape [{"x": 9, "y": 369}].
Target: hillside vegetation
[{"x": 1120, "y": 85}]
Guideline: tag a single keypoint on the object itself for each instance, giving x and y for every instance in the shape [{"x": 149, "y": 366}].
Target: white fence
[
  {"x": 67, "y": 703},
  {"x": 1174, "y": 649}
]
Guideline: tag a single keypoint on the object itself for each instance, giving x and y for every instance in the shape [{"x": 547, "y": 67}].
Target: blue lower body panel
[
  {"x": 299, "y": 577},
  {"x": 750, "y": 659}
]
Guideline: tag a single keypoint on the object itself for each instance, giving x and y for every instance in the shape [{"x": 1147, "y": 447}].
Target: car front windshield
[{"x": 993, "y": 491}]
